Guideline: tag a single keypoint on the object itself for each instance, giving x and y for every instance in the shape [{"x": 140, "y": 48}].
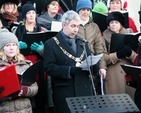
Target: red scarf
[{"x": 12, "y": 17}]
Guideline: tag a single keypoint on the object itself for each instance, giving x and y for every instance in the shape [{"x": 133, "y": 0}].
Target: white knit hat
[{"x": 7, "y": 37}]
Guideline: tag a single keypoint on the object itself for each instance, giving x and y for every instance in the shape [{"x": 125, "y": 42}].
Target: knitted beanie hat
[
  {"x": 101, "y": 8},
  {"x": 83, "y": 4},
  {"x": 7, "y": 37},
  {"x": 27, "y": 7},
  {"x": 115, "y": 16}
]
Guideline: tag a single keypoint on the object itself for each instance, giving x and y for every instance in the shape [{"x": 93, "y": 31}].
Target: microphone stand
[{"x": 85, "y": 52}]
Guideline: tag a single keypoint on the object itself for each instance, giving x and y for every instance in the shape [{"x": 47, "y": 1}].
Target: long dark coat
[{"x": 57, "y": 66}]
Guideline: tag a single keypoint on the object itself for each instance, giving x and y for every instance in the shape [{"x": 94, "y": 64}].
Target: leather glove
[
  {"x": 23, "y": 91},
  {"x": 22, "y": 45},
  {"x": 124, "y": 51},
  {"x": 37, "y": 47},
  {"x": 74, "y": 70},
  {"x": 94, "y": 68},
  {"x": 1, "y": 89}
]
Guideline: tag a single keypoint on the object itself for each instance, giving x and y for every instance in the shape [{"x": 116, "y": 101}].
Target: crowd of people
[{"x": 59, "y": 74}]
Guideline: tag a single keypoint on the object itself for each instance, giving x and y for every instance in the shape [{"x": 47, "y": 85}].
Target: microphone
[
  {"x": 83, "y": 40},
  {"x": 91, "y": 77}
]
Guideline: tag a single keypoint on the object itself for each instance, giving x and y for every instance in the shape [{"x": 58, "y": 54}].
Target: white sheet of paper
[
  {"x": 102, "y": 85},
  {"x": 132, "y": 66},
  {"x": 92, "y": 59},
  {"x": 56, "y": 26}
]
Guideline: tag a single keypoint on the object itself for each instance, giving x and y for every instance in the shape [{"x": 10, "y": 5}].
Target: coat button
[{"x": 85, "y": 86}]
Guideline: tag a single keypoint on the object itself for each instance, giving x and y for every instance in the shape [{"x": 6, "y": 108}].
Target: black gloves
[
  {"x": 75, "y": 70},
  {"x": 124, "y": 51},
  {"x": 94, "y": 68}
]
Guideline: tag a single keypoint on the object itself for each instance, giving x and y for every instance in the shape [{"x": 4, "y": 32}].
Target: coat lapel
[{"x": 79, "y": 48}]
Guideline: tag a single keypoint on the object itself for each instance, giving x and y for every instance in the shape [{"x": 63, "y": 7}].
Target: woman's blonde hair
[
  {"x": 3, "y": 11},
  {"x": 18, "y": 57}
]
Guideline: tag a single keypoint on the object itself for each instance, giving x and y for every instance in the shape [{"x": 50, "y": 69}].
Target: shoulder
[
  {"x": 24, "y": 62},
  {"x": 59, "y": 17},
  {"x": 107, "y": 34},
  {"x": 28, "y": 62},
  {"x": 126, "y": 30},
  {"x": 94, "y": 25}
]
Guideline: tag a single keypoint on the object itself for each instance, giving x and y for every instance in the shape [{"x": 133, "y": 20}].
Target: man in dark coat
[{"x": 62, "y": 54}]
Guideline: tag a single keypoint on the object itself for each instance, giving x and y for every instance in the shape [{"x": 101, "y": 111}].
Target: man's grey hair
[{"x": 70, "y": 15}]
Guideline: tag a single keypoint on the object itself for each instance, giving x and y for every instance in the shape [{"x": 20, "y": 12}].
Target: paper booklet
[
  {"x": 9, "y": 80},
  {"x": 100, "y": 20},
  {"x": 124, "y": 39},
  {"x": 134, "y": 71},
  {"x": 29, "y": 38},
  {"x": 56, "y": 26},
  {"x": 92, "y": 60},
  {"x": 28, "y": 77}
]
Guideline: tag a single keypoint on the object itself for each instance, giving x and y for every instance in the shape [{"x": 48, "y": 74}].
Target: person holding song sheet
[
  {"x": 30, "y": 25},
  {"x": 62, "y": 56},
  {"x": 9, "y": 54},
  {"x": 115, "y": 81},
  {"x": 90, "y": 31},
  {"x": 136, "y": 83},
  {"x": 118, "y": 5}
]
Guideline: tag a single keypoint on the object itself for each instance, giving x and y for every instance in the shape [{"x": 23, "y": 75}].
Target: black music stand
[{"x": 114, "y": 103}]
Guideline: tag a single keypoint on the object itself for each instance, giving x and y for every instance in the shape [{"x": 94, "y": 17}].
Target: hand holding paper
[{"x": 92, "y": 60}]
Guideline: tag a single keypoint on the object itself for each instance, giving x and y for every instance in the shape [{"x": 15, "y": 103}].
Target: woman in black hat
[
  {"x": 115, "y": 80},
  {"x": 9, "y": 13},
  {"x": 29, "y": 24},
  {"x": 51, "y": 14}
]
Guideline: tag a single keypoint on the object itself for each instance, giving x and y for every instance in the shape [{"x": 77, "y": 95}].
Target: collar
[
  {"x": 68, "y": 39},
  {"x": 84, "y": 22}
]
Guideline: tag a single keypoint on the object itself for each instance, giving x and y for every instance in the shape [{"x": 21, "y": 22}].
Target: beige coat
[
  {"x": 115, "y": 79},
  {"x": 91, "y": 32},
  {"x": 22, "y": 104}
]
